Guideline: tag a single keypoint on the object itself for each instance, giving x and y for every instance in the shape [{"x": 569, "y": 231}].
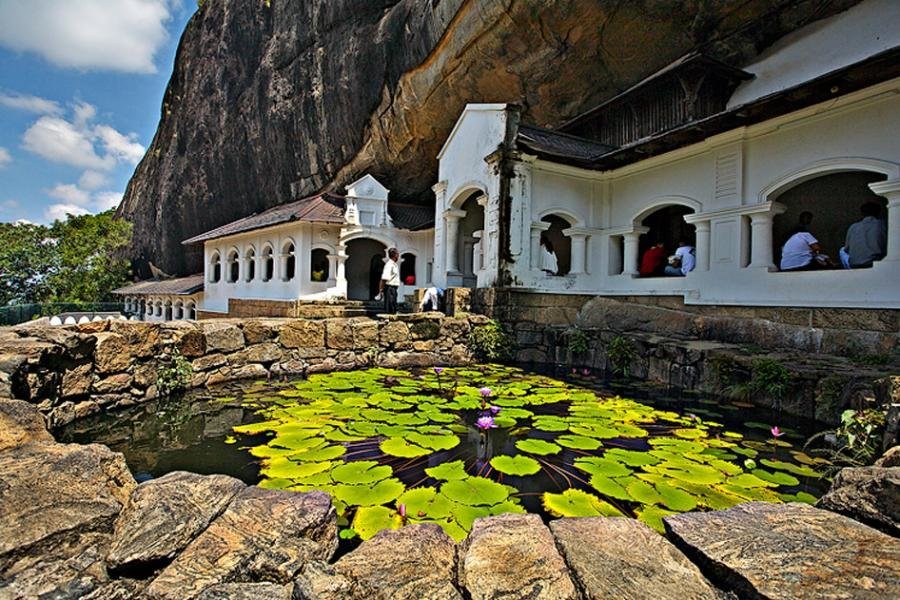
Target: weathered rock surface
[
  {"x": 263, "y": 535},
  {"x": 513, "y": 556},
  {"x": 416, "y": 562},
  {"x": 867, "y": 494},
  {"x": 247, "y": 591},
  {"x": 20, "y": 423},
  {"x": 791, "y": 551},
  {"x": 623, "y": 558},
  {"x": 891, "y": 458},
  {"x": 50, "y": 493},
  {"x": 288, "y": 69},
  {"x": 164, "y": 515}
]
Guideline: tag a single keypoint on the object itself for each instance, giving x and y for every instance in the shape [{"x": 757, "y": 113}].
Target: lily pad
[
  {"x": 369, "y": 520},
  {"x": 360, "y": 472},
  {"x": 402, "y": 448},
  {"x": 448, "y": 471},
  {"x": 538, "y": 446},
  {"x": 369, "y": 495},
  {"x": 576, "y": 503},
  {"x": 652, "y": 516},
  {"x": 516, "y": 465},
  {"x": 578, "y": 442},
  {"x": 435, "y": 442},
  {"x": 475, "y": 491},
  {"x": 609, "y": 487},
  {"x": 425, "y": 502}
]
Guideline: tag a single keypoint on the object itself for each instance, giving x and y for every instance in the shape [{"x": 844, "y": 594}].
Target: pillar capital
[
  {"x": 701, "y": 226},
  {"x": 440, "y": 187},
  {"x": 539, "y": 226},
  {"x": 635, "y": 233},
  {"x": 454, "y": 214},
  {"x": 581, "y": 232},
  {"x": 887, "y": 189}
]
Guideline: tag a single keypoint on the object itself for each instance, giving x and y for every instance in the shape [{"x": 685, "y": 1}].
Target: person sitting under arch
[
  {"x": 866, "y": 239},
  {"x": 653, "y": 261},
  {"x": 683, "y": 261},
  {"x": 549, "y": 264},
  {"x": 801, "y": 252}
]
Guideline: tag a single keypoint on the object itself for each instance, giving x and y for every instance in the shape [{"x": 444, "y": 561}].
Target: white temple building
[
  {"x": 730, "y": 160},
  {"x": 725, "y": 158}
]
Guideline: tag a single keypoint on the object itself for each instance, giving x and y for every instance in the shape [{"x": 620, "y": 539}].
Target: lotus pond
[{"x": 451, "y": 445}]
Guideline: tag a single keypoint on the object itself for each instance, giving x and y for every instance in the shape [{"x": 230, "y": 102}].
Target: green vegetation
[
  {"x": 491, "y": 343},
  {"x": 768, "y": 378},
  {"x": 76, "y": 260},
  {"x": 394, "y": 447},
  {"x": 621, "y": 353},
  {"x": 578, "y": 342},
  {"x": 174, "y": 373},
  {"x": 857, "y": 440}
]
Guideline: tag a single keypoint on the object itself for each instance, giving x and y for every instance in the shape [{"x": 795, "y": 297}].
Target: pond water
[{"x": 394, "y": 446}]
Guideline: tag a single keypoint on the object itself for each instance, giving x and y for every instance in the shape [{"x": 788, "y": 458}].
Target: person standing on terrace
[{"x": 390, "y": 282}]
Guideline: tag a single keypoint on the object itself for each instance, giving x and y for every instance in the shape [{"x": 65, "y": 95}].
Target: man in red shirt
[{"x": 653, "y": 260}]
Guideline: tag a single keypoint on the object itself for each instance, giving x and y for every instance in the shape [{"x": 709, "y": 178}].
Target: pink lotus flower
[
  {"x": 438, "y": 370},
  {"x": 485, "y": 392},
  {"x": 574, "y": 371},
  {"x": 585, "y": 371},
  {"x": 494, "y": 410},
  {"x": 776, "y": 433},
  {"x": 485, "y": 422},
  {"x": 402, "y": 510}
]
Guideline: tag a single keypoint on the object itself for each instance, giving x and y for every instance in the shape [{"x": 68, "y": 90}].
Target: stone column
[
  {"x": 702, "y": 249},
  {"x": 537, "y": 228},
  {"x": 478, "y": 251},
  {"x": 631, "y": 244},
  {"x": 761, "y": 236},
  {"x": 451, "y": 220},
  {"x": 578, "y": 239},
  {"x": 340, "y": 270},
  {"x": 891, "y": 191}
]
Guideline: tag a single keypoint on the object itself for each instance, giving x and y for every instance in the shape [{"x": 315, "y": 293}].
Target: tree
[
  {"x": 89, "y": 261},
  {"x": 76, "y": 260}
]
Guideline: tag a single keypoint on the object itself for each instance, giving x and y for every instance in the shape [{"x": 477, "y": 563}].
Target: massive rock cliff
[{"x": 270, "y": 92}]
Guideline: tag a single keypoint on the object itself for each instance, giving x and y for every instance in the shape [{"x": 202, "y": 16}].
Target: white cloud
[
  {"x": 5, "y": 157},
  {"x": 92, "y": 180},
  {"x": 76, "y": 142},
  {"x": 70, "y": 194},
  {"x": 122, "y": 147},
  {"x": 107, "y": 200},
  {"x": 34, "y": 104},
  {"x": 59, "y": 212},
  {"x": 124, "y": 35}
]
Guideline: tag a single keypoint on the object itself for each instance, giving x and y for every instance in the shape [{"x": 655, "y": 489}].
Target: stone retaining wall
[
  {"x": 76, "y": 525},
  {"x": 73, "y": 372}
]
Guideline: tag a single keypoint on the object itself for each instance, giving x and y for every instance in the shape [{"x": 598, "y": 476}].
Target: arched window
[
  {"x": 167, "y": 311},
  {"x": 250, "y": 265},
  {"x": 191, "y": 311},
  {"x": 159, "y": 308},
  {"x": 178, "y": 310},
  {"x": 318, "y": 265},
  {"x": 215, "y": 268},
  {"x": 288, "y": 262},
  {"x": 667, "y": 232},
  {"x": 408, "y": 269},
  {"x": 268, "y": 264},
  {"x": 558, "y": 242},
  {"x": 234, "y": 267}
]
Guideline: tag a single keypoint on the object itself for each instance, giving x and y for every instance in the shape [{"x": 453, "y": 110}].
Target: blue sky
[{"x": 81, "y": 84}]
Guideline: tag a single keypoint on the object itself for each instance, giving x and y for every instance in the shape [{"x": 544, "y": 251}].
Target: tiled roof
[
  {"x": 324, "y": 208},
  {"x": 560, "y": 145},
  {"x": 182, "y": 286},
  {"x": 411, "y": 216}
]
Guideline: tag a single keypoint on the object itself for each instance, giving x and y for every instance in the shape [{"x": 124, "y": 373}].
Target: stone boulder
[
  {"x": 891, "y": 458},
  {"x": 513, "y": 556},
  {"x": 416, "y": 562},
  {"x": 796, "y": 551},
  {"x": 867, "y": 494},
  {"x": 263, "y": 535},
  {"x": 20, "y": 423},
  {"x": 222, "y": 337},
  {"x": 142, "y": 339},
  {"x": 612, "y": 557},
  {"x": 165, "y": 515},
  {"x": 303, "y": 334},
  {"x": 247, "y": 591},
  {"x": 112, "y": 354}
]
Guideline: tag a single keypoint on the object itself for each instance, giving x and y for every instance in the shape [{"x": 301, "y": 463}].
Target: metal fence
[{"x": 20, "y": 313}]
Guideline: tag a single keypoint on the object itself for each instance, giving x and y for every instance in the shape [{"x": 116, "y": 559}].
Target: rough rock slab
[
  {"x": 165, "y": 515},
  {"x": 622, "y": 558},
  {"x": 867, "y": 494},
  {"x": 794, "y": 551},
  {"x": 513, "y": 556},
  {"x": 416, "y": 562},
  {"x": 263, "y": 535},
  {"x": 247, "y": 591},
  {"x": 20, "y": 423},
  {"x": 50, "y": 493}
]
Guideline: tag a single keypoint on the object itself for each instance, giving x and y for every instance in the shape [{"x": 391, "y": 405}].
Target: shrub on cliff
[{"x": 491, "y": 343}]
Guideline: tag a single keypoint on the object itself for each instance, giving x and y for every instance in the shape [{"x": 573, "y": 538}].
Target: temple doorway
[{"x": 365, "y": 261}]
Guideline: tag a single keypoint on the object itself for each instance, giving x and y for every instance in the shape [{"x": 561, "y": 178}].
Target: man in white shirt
[
  {"x": 685, "y": 258},
  {"x": 800, "y": 253},
  {"x": 390, "y": 281}
]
